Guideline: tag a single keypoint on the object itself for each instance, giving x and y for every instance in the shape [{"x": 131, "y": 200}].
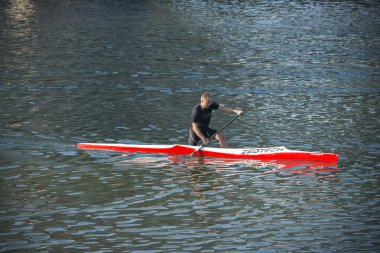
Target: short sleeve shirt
[{"x": 203, "y": 116}]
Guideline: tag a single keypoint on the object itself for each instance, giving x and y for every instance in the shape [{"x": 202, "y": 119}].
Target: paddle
[{"x": 203, "y": 145}]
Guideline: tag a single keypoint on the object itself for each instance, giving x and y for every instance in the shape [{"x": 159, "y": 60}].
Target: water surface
[{"x": 305, "y": 73}]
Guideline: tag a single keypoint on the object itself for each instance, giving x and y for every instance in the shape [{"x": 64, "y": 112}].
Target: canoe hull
[{"x": 272, "y": 153}]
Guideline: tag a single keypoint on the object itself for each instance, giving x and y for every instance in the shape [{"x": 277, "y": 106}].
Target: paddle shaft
[{"x": 226, "y": 125}]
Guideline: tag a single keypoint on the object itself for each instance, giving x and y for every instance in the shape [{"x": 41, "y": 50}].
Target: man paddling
[{"x": 200, "y": 121}]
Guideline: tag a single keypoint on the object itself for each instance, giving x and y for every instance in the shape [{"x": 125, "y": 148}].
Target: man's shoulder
[
  {"x": 214, "y": 106},
  {"x": 197, "y": 107}
]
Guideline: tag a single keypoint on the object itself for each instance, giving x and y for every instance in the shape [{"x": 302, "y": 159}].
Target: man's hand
[
  {"x": 239, "y": 112},
  {"x": 206, "y": 141}
]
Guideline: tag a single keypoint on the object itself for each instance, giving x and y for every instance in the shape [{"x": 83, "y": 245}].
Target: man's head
[{"x": 206, "y": 100}]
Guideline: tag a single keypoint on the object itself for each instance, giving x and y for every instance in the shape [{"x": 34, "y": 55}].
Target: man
[{"x": 200, "y": 121}]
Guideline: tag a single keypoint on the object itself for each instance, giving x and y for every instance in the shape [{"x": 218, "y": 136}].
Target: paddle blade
[{"x": 197, "y": 149}]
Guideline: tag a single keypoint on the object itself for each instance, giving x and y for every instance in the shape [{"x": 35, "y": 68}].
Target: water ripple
[{"x": 305, "y": 73}]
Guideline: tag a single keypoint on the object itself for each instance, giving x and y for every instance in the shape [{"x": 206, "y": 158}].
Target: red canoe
[{"x": 272, "y": 153}]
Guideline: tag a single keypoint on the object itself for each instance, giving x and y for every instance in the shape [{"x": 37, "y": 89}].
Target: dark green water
[{"x": 307, "y": 74}]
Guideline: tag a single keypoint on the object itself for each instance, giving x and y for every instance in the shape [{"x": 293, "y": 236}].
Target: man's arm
[
  {"x": 198, "y": 132},
  {"x": 227, "y": 109}
]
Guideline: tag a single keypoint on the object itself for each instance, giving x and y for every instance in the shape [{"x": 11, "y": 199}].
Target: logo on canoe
[{"x": 262, "y": 150}]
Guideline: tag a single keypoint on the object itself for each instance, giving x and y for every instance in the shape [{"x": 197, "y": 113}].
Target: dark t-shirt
[{"x": 203, "y": 117}]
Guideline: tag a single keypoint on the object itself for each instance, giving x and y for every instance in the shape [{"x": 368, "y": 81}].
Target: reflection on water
[
  {"x": 306, "y": 73},
  {"x": 20, "y": 15},
  {"x": 19, "y": 38},
  {"x": 228, "y": 167}
]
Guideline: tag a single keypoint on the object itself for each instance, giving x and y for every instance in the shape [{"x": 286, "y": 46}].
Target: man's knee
[{"x": 219, "y": 136}]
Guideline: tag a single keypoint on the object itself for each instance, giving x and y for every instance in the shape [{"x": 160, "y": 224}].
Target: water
[{"x": 306, "y": 73}]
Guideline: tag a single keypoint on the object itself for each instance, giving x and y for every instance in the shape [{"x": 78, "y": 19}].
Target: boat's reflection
[{"x": 256, "y": 168}]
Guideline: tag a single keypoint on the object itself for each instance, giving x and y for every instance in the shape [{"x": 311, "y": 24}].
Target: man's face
[{"x": 206, "y": 102}]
